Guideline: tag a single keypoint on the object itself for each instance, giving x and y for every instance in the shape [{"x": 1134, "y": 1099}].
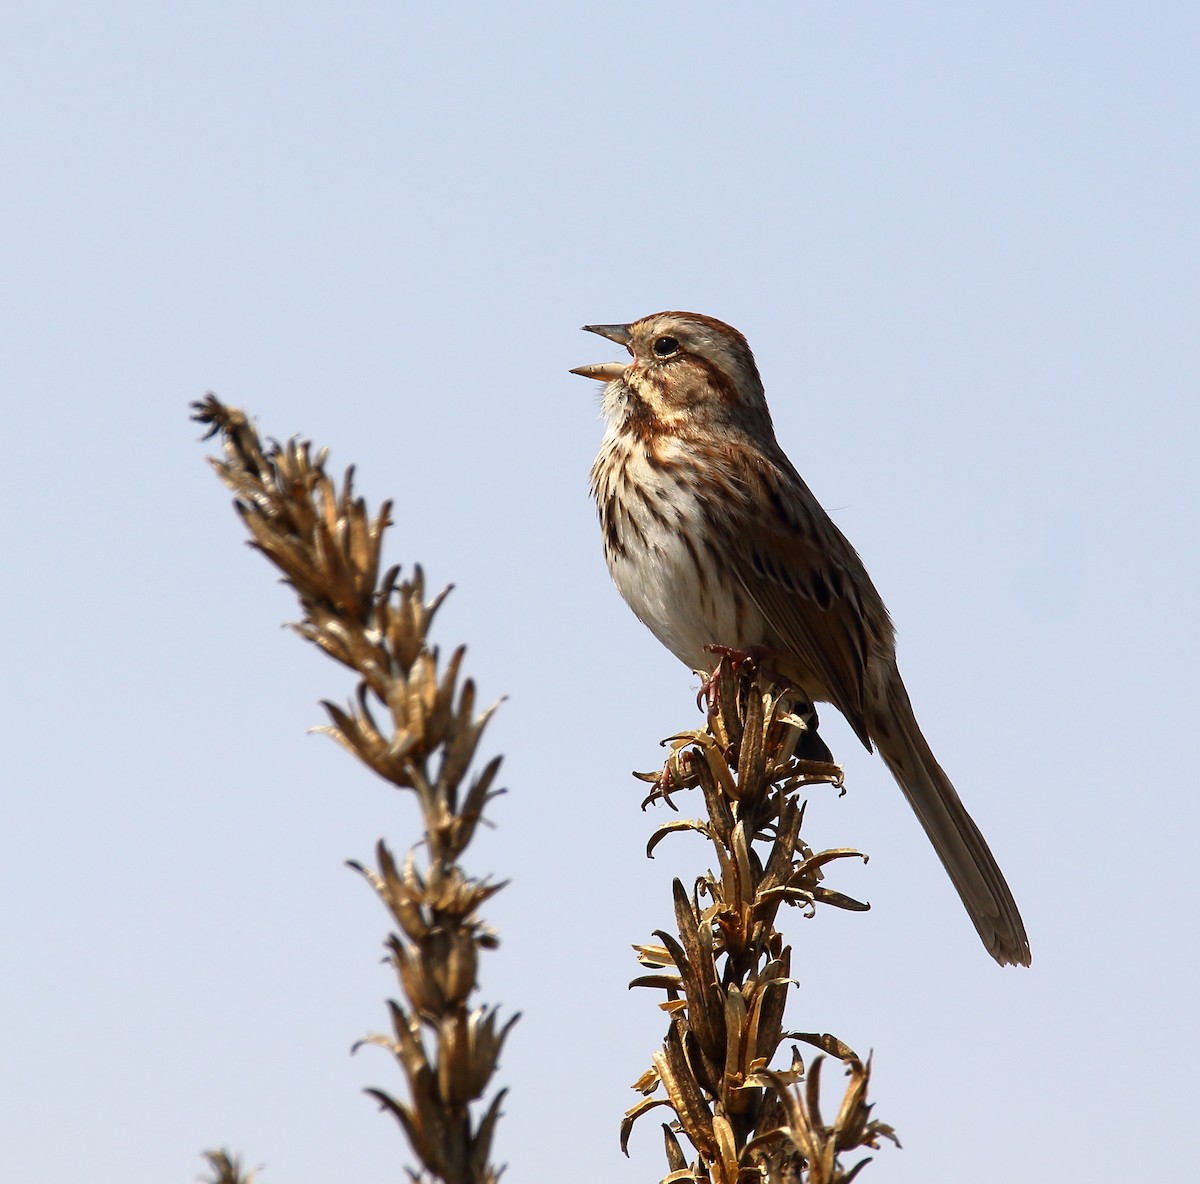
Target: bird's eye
[{"x": 666, "y": 346}]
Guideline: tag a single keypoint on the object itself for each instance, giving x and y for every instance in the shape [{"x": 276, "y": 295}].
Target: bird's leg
[{"x": 756, "y": 654}]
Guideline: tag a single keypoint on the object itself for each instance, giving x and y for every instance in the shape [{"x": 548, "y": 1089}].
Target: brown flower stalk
[
  {"x": 726, "y": 970},
  {"x": 226, "y": 1169},
  {"x": 329, "y": 550}
]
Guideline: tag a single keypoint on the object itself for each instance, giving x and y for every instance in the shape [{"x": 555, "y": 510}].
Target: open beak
[{"x": 607, "y": 371}]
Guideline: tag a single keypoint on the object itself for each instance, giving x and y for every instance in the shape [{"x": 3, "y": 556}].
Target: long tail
[{"x": 955, "y": 837}]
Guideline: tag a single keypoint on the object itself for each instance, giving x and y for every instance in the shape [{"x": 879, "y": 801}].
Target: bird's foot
[{"x": 757, "y": 655}]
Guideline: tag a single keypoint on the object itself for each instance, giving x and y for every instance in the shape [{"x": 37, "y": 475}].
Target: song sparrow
[{"x": 712, "y": 537}]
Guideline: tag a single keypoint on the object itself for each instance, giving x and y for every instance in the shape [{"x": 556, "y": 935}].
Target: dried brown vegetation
[
  {"x": 725, "y": 968},
  {"x": 416, "y": 725},
  {"x": 226, "y": 1169}
]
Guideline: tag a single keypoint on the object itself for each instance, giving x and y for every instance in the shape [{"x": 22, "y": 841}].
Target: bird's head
[{"x": 687, "y": 371}]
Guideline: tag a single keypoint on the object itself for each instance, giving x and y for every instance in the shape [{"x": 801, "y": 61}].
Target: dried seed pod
[
  {"x": 726, "y": 999},
  {"x": 414, "y": 724}
]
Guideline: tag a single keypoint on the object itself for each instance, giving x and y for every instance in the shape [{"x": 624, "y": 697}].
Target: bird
[{"x": 713, "y": 539}]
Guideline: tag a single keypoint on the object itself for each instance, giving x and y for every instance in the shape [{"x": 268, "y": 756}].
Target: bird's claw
[{"x": 756, "y": 655}]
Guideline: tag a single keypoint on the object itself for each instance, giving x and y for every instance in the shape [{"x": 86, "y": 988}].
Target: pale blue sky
[{"x": 962, "y": 240}]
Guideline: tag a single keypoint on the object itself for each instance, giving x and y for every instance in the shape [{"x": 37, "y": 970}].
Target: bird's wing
[{"x": 809, "y": 583}]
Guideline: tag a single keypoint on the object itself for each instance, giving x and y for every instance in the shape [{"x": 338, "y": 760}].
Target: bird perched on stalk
[{"x": 713, "y": 538}]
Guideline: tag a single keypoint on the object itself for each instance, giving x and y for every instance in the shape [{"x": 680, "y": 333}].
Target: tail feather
[{"x": 955, "y": 837}]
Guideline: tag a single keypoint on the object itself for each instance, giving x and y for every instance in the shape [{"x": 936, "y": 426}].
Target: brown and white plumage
[{"x": 712, "y": 537}]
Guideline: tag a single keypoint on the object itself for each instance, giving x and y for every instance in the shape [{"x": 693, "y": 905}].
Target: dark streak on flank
[
  {"x": 686, "y": 538},
  {"x": 613, "y": 542},
  {"x": 639, "y": 491},
  {"x": 635, "y": 528}
]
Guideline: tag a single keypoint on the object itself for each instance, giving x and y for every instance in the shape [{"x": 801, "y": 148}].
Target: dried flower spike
[
  {"x": 415, "y": 724},
  {"x": 725, "y": 968}
]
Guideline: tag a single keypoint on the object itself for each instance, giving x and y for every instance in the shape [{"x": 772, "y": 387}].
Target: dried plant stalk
[
  {"x": 414, "y": 724},
  {"x": 226, "y": 1169},
  {"x": 725, "y": 968}
]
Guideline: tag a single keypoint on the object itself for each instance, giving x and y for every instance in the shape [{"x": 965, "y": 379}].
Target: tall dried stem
[
  {"x": 725, "y": 968},
  {"x": 413, "y": 723},
  {"x": 226, "y": 1168}
]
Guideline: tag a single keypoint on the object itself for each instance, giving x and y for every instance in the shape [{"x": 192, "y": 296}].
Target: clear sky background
[{"x": 962, "y": 240}]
